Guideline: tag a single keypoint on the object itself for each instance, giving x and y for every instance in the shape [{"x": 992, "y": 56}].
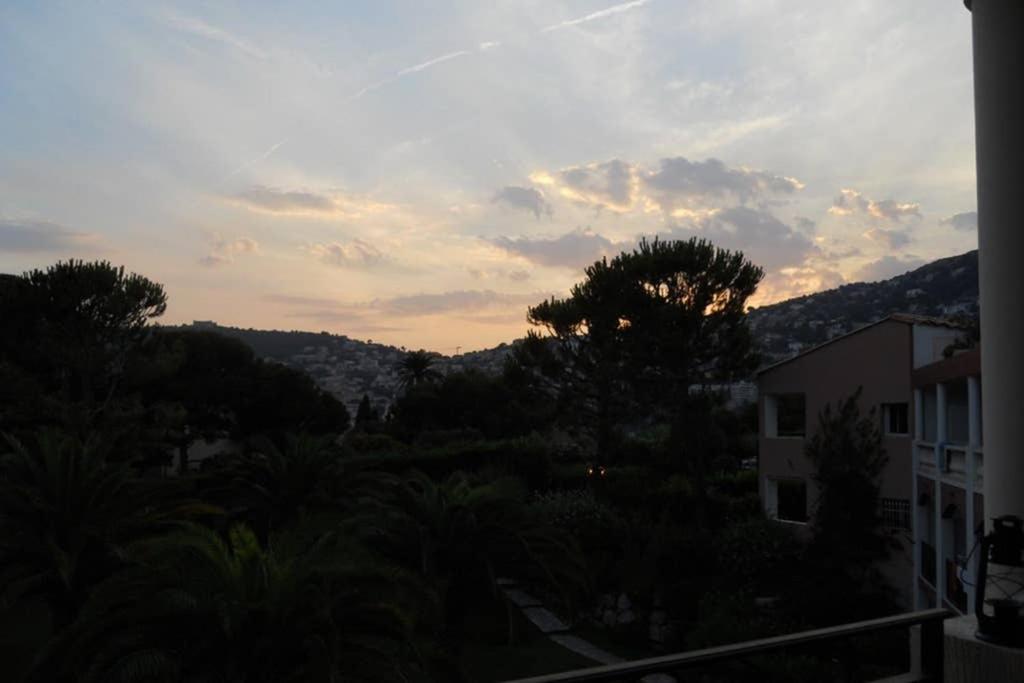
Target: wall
[
  {"x": 878, "y": 359},
  {"x": 929, "y": 343}
]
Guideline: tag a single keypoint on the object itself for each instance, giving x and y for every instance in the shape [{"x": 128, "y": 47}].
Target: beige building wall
[{"x": 878, "y": 358}]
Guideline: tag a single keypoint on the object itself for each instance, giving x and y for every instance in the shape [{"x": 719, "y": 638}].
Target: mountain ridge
[{"x": 350, "y": 368}]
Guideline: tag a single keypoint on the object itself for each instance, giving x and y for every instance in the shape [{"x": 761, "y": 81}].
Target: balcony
[{"x": 930, "y": 653}]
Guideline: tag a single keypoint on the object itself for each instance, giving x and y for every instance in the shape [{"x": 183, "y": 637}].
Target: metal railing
[{"x": 930, "y": 659}]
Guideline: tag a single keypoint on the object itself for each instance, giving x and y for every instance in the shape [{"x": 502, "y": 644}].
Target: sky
[{"x": 419, "y": 173}]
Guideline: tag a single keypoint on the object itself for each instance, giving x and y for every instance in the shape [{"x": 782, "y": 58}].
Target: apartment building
[
  {"x": 948, "y": 475},
  {"x": 880, "y": 359}
]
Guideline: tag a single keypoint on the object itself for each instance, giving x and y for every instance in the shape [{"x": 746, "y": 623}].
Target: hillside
[
  {"x": 942, "y": 288},
  {"x": 349, "y": 368}
]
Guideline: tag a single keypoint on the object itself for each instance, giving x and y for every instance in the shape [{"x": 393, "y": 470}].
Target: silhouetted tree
[
  {"x": 195, "y": 606},
  {"x": 366, "y": 413},
  {"x": 650, "y": 323},
  {"x": 67, "y": 512},
  {"x": 847, "y": 453},
  {"x": 462, "y": 537},
  {"x": 417, "y": 368},
  {"x": 86, "y": 317}
]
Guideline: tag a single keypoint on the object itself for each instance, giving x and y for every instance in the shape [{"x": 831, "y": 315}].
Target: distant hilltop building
[{"x": 204, "y": 324}]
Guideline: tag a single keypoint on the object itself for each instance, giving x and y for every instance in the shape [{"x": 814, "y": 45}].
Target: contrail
[
  {"x": 273, "y": 148},
  {"x": 409, "y": 70},
  {"x": 483, "y": 47},
  {"x": 432, "y": 62},
  {"x": 600, "y": 14}
]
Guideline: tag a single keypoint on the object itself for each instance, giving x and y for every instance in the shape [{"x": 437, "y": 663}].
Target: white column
[
  {"x": 940, "y": 467},
  {"x": 915, "y": 526},
  {"x": 942, "y": 412},
  {"x": 940, "y": 533},
  {"x": 970, "y": 476},
  {"x": 918, "y": 415},
  {"x": 999, "y": 144},
  {"x": 974, "y": 411}
]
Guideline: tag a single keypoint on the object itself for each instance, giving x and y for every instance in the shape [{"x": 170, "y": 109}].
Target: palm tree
[
  {"x": 198, "y": 607},
  {"x": 67, "y": 513},
  {"x": 416, "y": 368},
  {"x": 273, "y": 487}
]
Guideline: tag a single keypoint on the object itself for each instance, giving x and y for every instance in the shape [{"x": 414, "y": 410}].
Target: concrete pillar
[
  {"x": 974, "y": 412},
  {"x": 970, "y": 481},
  {"x": 918, "y": 415},
  {"x": 940, "y": 539},
  {"x": 915, "y": 527},
  {"x": 942, "y": 413},
  {"x": 997, "y": 27},
  {"x": 941, "y": 409}
]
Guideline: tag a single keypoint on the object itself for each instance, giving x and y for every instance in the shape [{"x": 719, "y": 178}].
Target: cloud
[
  {"x": 886, "y": 267},
  {"x": 481, "y": 306},
  {"x": 600, "y": 14},
  {"x": 270, "y": 200},
  {"x": 527, "y": 198},
  {"x": 27, "y": 236},
  {"x": 458, "y": 300},
  {"x": 604, "y": 185},
  {"x": 224, "y": 252},
  {"x": 354, "y": 254},
  {"x": 966, "y": 221},
  {"x": 804, "y": 224},
  {"x": 794, "y": 281},
  {"x": 762, "y": 237},
  {"x": 890, "y": 239},
  {"x": 498, "y": 273},
  {"x": 853, "y": 203},
  {"x": 675, "y": 186},
  {"x": 575, "y": 249},
  {"x": 681, "y": 182},
  {"x": 379, "y": 312}
]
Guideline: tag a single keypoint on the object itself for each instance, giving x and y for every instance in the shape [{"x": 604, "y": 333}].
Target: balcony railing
[{"x": 931, "y": 658}]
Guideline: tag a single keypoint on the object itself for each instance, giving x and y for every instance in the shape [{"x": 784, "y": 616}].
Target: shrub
[
  {"x": 597, "y": 527},
  {"x": 364, "y": 443}
]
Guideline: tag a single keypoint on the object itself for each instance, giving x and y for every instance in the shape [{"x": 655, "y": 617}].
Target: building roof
[{"x": 905, "y": 318}]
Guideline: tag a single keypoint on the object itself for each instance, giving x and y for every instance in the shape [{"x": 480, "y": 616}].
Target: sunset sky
[{"x": 418, "y": 173}]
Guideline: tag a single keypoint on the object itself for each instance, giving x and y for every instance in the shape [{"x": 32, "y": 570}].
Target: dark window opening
[
  {"x": 792, "y": 415},
  {"x": 792, "y": 496},
  {"x": 896, "y": 418}
]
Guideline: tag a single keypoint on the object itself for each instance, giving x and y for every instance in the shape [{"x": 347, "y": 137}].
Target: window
[
  {"x": 896, "y": 513},
  {"x": 895, "y": 418},
  {"x": 792, "y": 500},
  {"x": 792, "y": 415}
]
